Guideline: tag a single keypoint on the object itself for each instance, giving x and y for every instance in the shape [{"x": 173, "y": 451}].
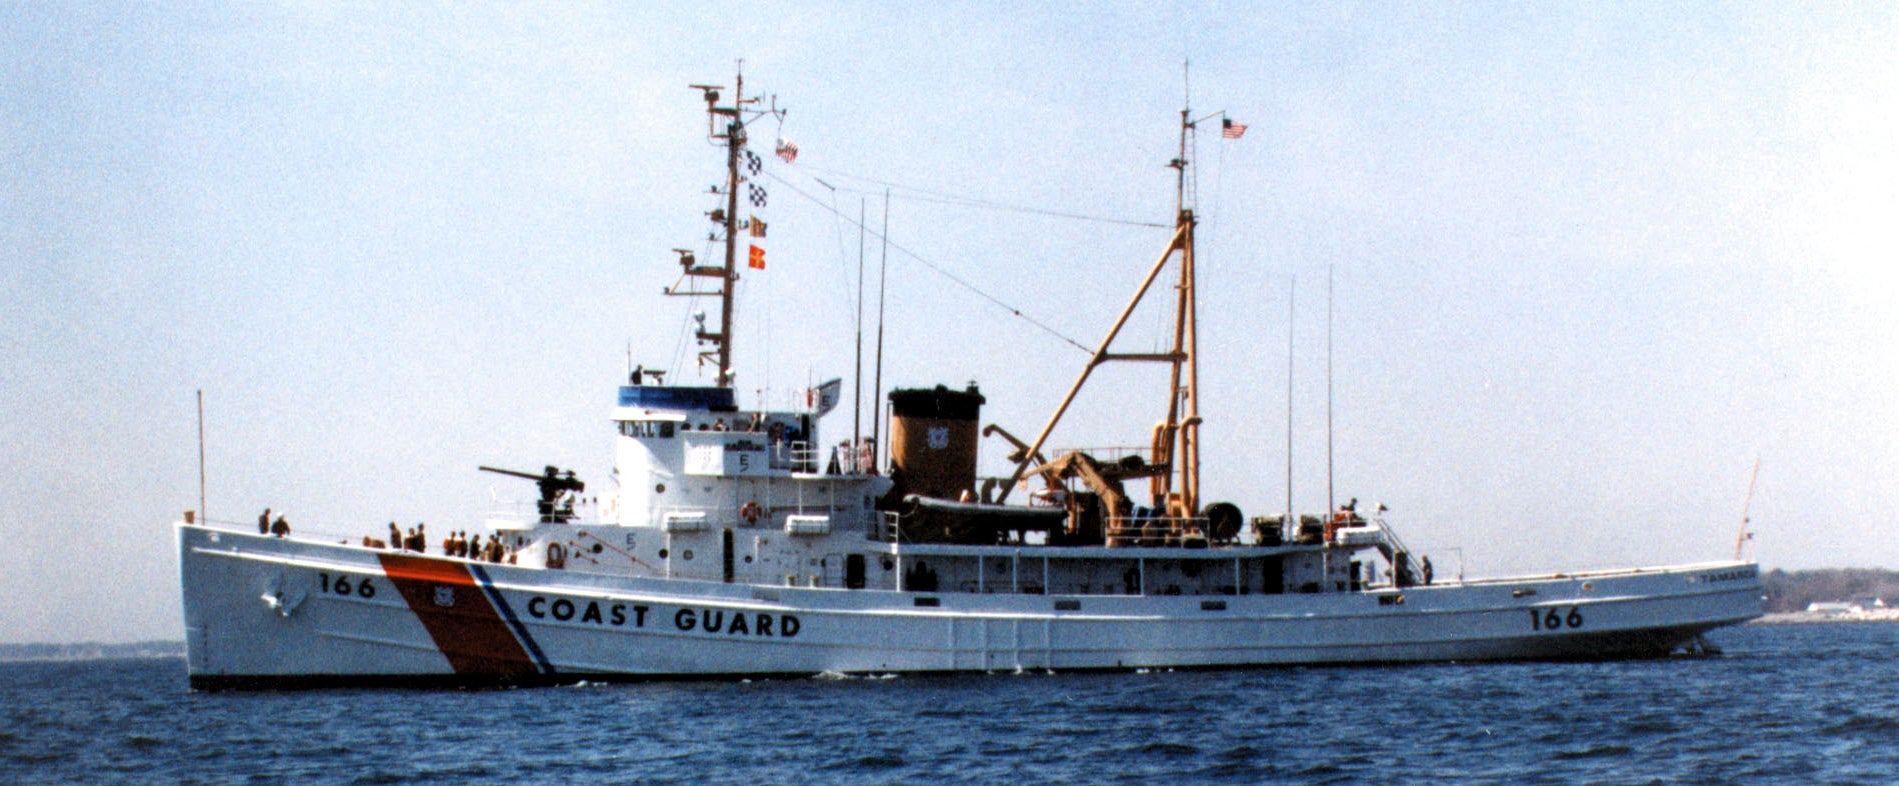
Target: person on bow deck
[{"x": 263, "y": 522}]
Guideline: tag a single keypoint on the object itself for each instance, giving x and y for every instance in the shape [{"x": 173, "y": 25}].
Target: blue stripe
[{"x": 507, "y": 613}]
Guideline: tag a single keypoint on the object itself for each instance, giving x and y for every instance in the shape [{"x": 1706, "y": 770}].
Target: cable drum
[{"x": 1224, "y": 521}]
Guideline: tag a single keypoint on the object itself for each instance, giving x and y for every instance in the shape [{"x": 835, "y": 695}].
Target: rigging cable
[
  {"x": 933, "y": 266},
  {"x": 837, "y": 227},
  {"x": 942, "y": 198}
]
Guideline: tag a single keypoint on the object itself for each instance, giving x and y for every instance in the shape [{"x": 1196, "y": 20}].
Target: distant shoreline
[
  {"x": 24, "y": 653},
  {"x": 1821, "y": 617}
]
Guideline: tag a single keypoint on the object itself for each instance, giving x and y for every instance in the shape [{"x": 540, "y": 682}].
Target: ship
[{"x": 738, "y": 543}]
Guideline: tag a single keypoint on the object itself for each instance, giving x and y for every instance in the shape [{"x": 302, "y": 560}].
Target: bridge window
[{"x": 647, "y": 429}]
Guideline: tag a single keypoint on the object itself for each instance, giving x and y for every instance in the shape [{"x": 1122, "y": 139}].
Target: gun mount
[{"x": 557, "y": 490}]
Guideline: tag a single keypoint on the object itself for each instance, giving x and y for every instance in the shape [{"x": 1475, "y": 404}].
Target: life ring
[
  {"x": 556, "y": 555},
  {"x": 751, "y": 512}
]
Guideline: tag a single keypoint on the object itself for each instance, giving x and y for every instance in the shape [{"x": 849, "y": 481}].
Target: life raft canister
[
  {"x": 556, "y": 555},
  {"x": 1333, "y": 524}
]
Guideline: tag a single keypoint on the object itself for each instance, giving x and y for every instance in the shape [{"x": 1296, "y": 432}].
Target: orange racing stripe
[{"x": 459, "y": 617}]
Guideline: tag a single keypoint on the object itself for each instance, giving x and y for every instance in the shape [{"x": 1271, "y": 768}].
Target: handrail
[
  {"x": 1153, "y": 530},
  {"x": 1144, "y": 451},
  {"x": 797, "y": 456},
  {"x": 297, "y": 532}
]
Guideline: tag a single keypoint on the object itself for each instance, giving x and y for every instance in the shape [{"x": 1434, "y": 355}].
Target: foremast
[{"x": 726, "y": 125}]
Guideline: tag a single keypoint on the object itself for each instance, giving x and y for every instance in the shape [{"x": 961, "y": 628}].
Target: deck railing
[{"x": 1155, "y": 530}]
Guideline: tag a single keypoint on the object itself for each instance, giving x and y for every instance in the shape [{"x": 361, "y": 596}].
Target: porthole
[
  {"x": 687, "y": 554},
  {"x": 659, "y": 489},
  {"x": 748, "y": 559},
  {"x": 662, "y": 553}
]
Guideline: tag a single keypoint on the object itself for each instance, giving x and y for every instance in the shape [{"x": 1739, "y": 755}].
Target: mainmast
[
  {"x": 726, "y": 125},
  {"x": 1181, "y": 437},
  {"x": 1176, "y": 439}
]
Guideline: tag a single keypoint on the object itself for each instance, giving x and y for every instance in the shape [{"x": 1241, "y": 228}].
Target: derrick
[{"x": 1172, "y": 465}]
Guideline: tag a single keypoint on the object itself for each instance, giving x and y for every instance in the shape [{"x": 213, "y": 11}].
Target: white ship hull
[{"x": 275, "y": 612}]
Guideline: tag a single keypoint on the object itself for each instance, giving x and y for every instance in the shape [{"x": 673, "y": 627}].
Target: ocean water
[{"x": 1785, "y": 704}]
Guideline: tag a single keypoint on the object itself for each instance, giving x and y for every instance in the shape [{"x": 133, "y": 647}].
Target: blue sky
[{"x": 1588, "y": 262}]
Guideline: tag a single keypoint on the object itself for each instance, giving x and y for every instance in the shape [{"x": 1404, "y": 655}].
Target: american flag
[
  {"x": 1230, "y": 129},
  {"x": 787, "y": 151}
]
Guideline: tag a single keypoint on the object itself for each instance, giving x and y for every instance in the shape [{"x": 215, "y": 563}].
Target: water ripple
[{"x": 1788, "y": 704}]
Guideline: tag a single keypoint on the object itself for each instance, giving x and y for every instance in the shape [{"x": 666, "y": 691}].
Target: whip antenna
[
  {"x": 1745, "y": 536},
  {"x": 201, "y": 510}
]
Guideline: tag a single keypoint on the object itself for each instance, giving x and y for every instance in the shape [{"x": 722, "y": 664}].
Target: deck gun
[{"x": 556, "y": 503}]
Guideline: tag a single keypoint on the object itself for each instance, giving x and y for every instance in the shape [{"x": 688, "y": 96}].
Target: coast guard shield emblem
[{"x": 444, "y": 596}]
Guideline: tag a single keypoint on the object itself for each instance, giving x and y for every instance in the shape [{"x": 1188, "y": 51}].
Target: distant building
[{"x": 1836, "y": 609}]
